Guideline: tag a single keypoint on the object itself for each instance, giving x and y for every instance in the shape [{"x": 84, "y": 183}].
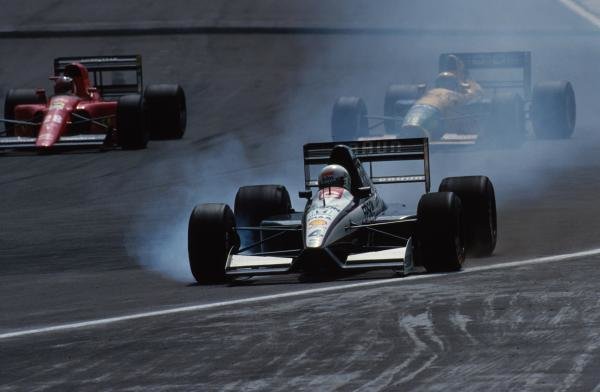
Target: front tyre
[
  {"x": 439, "y": 236},
  {"x": 553, "y": 110},
  {"x": 165, "y": 111},
  {"x": 211, "y": 236},
  {"x": 130, "y": 128},
  {"x": 19, "y": 96},
  {"x": 506, "y": 124},
  {"x": 478, "y": 201},
  {"x": 254, "y": 203}
]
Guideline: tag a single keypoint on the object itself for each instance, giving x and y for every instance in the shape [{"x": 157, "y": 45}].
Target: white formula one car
[{"x": 343, "y": 227}]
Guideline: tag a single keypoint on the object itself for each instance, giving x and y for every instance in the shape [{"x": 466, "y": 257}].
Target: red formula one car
[{"x": 98, "y": 101}]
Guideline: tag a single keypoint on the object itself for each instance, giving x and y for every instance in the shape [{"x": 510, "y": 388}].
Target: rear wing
[
  {"x": 369, "y": 151},
  {"x": 113, "y": 76},
  {"x": 497, "y": 60}
]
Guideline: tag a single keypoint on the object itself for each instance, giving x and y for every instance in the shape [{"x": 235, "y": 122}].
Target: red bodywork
[{"x": 64, "y": 115}]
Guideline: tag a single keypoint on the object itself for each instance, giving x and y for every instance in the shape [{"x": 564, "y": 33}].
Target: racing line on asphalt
[{"x": 193, "y": 308}]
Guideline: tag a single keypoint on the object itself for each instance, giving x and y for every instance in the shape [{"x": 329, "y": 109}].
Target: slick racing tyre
[
  {"x": 478, "y": 201},
  {"x": 165, "y": 111},
  {"x": 19, "y": 96},
  {"x": 211, "y": 235},
  {"x": 440, "y": 243},
  {"x": 553, "y": 110},
  {"x": 349, "y": 119},
  {"x": 255, "y": 203},
  {"x": 130, "y": 128},
  {"x": 506, "y": 124},
  {"x": 399, "y": 98}
]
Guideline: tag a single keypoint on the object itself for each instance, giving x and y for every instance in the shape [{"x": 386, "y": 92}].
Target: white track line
[
  {"x": 381, "y": 282},
  {"x": 575, "y": 7}
]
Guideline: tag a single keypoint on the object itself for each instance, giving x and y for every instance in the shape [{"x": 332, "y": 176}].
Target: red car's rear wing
[
  {"x": 113, "y": 76},
  {"x": 497, "y": 60},
  {"x": 381, "y": 150}
]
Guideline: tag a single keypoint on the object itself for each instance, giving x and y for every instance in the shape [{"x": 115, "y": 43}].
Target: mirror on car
[
  {"x": 305, "y": 194},
  {"x": 364, "y": 191}
]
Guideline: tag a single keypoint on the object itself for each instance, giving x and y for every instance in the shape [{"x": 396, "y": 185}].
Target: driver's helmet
[
  {"x": 334, "y": 176},
  {"x": 452, "y": 63},
  {"x": 63, "y": 85},
  {"x": 447, "y": 80}
]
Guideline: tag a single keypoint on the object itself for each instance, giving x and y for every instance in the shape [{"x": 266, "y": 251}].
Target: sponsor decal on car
[
  {"x": 369, "y": 209},
  {"x": 57, "y": 104},
  {"x": 324, "y": 221},
  {"x": 316, "y": 233},
  {"x": 327, "y": 178},
  {"x": 328, "y": 211},
  {"x": 314, "y": 238}
]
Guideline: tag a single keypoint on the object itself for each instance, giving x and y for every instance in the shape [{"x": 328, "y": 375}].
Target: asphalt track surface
[{"x": 91, "y": 236}]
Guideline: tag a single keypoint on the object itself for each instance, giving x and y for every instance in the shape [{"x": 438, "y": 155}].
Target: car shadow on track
[{"x": 293, "y": 279}]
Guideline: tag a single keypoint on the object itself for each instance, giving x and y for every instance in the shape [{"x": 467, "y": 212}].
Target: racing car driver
[{"x": 334, "y": 176}]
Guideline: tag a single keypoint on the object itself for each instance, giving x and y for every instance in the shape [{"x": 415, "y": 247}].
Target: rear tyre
[
  {"x": 15, "y": 97},
  {"x": 440, "y": 242},
  {"x": 506, "y": 126},
  {"x": 165, "y": 111},
  {"x": 211, "y": 235},
  {"x": 478, "y": 201},
  {"x": 553, "y": 110},
  {"x": 255, "y": 203},
  {"x": 130, "y": 125},
  {"x": 399, "y": 98},
  {"x": 349, "y": 119}
]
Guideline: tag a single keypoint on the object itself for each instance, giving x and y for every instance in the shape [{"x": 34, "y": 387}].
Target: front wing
[
  {"x": 65, "y": 142},
  {"x": 400, "y": 259}
]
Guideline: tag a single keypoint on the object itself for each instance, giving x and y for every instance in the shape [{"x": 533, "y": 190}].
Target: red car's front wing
[{"x": 65, "y": 142}]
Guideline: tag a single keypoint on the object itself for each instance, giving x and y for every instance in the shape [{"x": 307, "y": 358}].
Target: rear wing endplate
[
  {"x": 98, "y": 67},
  {"x": 497, "y": 60},
  {"x": 369, "y": 151}
]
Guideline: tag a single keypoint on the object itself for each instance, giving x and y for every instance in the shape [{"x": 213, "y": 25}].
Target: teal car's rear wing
[{"x": 369, "y": 151}]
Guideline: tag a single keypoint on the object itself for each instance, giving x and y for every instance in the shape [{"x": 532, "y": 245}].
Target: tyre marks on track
[{"x": 292, "y": 294}]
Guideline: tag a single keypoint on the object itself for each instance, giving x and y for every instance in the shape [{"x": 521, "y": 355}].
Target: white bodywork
[
  {"x": 326, "y": 206},
  {"x": 241, "y": 261},
  {"x": 397, "y": 255},
  {"x": 387, "y": 254}
]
